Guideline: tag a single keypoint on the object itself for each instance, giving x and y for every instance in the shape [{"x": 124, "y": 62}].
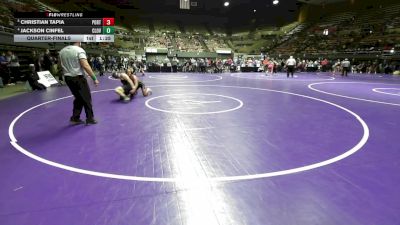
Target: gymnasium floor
[{"x": 209, "y": 149}]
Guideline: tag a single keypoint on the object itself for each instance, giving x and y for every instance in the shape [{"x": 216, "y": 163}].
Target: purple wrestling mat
[{"x": 240, "y": 148}]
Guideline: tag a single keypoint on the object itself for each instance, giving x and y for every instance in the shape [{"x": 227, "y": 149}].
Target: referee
[
  {"x": 74, "y": 64},
  {"x": 290, "y": 64},
  {"x": 345, "y": 67}
]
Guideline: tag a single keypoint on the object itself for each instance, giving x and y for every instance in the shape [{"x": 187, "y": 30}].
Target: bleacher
[
  {"x": 166, "y": 27},
  {"x": 196, "y": 29},
  {"x": 364, "y": 31},
  {"x": 188, "y": 43},
  {"x": 23, "y": 54},
  {"x": 140, "y": 28},
  {"x": 43, "y": 7},
  {"x": 367, "y": 30},
  {"x": 214, "y": 44}
]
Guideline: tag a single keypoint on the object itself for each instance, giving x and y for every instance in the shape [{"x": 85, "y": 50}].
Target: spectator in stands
[
  {"x": 265, "y": 63},
  {"x": 47, "y": 62},
  {"x": 358, "y": 67},
  {"x": 185, "y": 66},
  {"x": 57, "y": 70},
  {"x": 282, "y": 65},
  {"x": 354, "y": 69},
  {"x": 113, "y": 63},
  {"x": 271, "y": 66},
  {"x": 166, "y": 64},
  {"x": 174, "y": 63},
  {"x": 317, "y": 66},
  {"x": 193, "y": 65},
  {"x": 13, "y": 65},
  {"x": 388, "y": 68},
  {"x": 108, "y": 63},
  {"x": 125, "y": 61},
  {"x": 336, "y": 67},
  {"x": 142, "y": 66},
  {"x": 91, "y": 61},
  {"x": 324, "y": 65},
  {"x": 119, "y": 63},
  {"x": 302, "y": 65},
  {"x": 373, "y": 67},
  {"x": 310, "y": 66},
  {"x": 35, "y": 60},
  {"x": 100, "y": 65},
  {"x": 4, "y": 71},
  {"x": 202, "y": 65}
]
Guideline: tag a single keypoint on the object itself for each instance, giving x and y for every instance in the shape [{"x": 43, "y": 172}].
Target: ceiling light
[
  {"x": 254, "y": 10},
  {"x": 275, "y": 2},
  {"x": 226, "y": 4}
]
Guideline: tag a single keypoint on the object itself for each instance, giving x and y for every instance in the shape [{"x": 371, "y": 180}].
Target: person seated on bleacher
[{"x": 33, "y": 79}]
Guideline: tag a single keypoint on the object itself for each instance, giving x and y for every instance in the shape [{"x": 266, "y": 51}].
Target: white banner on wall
[
  {"x": 151, "y": 50},
  {"x": 223, "y": 51}
]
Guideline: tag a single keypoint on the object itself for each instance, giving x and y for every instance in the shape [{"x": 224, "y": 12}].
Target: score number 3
[{"x": 108, "y": 21}]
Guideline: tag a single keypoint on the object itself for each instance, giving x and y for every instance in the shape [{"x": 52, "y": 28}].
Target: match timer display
[{"x": 64, "y": 27}]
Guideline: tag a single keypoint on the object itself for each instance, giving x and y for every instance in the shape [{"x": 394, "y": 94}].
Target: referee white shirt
[
  {"x": 346, "y": 63},
  {"x": 70, "y": 60},
  {"x": 291, "y": 61}
]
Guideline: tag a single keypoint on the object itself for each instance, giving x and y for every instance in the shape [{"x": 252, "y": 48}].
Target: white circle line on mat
[
  {"x": 187, "y": 81},
  {"x": 378, "y": 90},
  {"x": 166, "y": 77},
  {"x": 194, "y": 113},
  {"x": 354, "y": 149},
  {"x": 311, "y": 86},
  {"x": 260, "y": 77}
]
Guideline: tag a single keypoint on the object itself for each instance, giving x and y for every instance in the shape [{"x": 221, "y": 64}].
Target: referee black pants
[
  {"x": 290, "y": 69},
  {"x": 345, "y": 70},
  {"x": 83, "y": 99}
]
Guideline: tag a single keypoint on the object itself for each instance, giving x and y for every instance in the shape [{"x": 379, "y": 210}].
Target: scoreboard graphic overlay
[{"x": 64, "y": 27}]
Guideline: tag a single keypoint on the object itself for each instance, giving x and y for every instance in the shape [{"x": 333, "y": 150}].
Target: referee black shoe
[
  {"x": 76, "y": 122},
  {"x": 91, "y": 121}
]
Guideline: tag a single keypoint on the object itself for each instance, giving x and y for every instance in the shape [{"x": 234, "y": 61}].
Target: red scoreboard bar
[{"x": 108, "y": 21}]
